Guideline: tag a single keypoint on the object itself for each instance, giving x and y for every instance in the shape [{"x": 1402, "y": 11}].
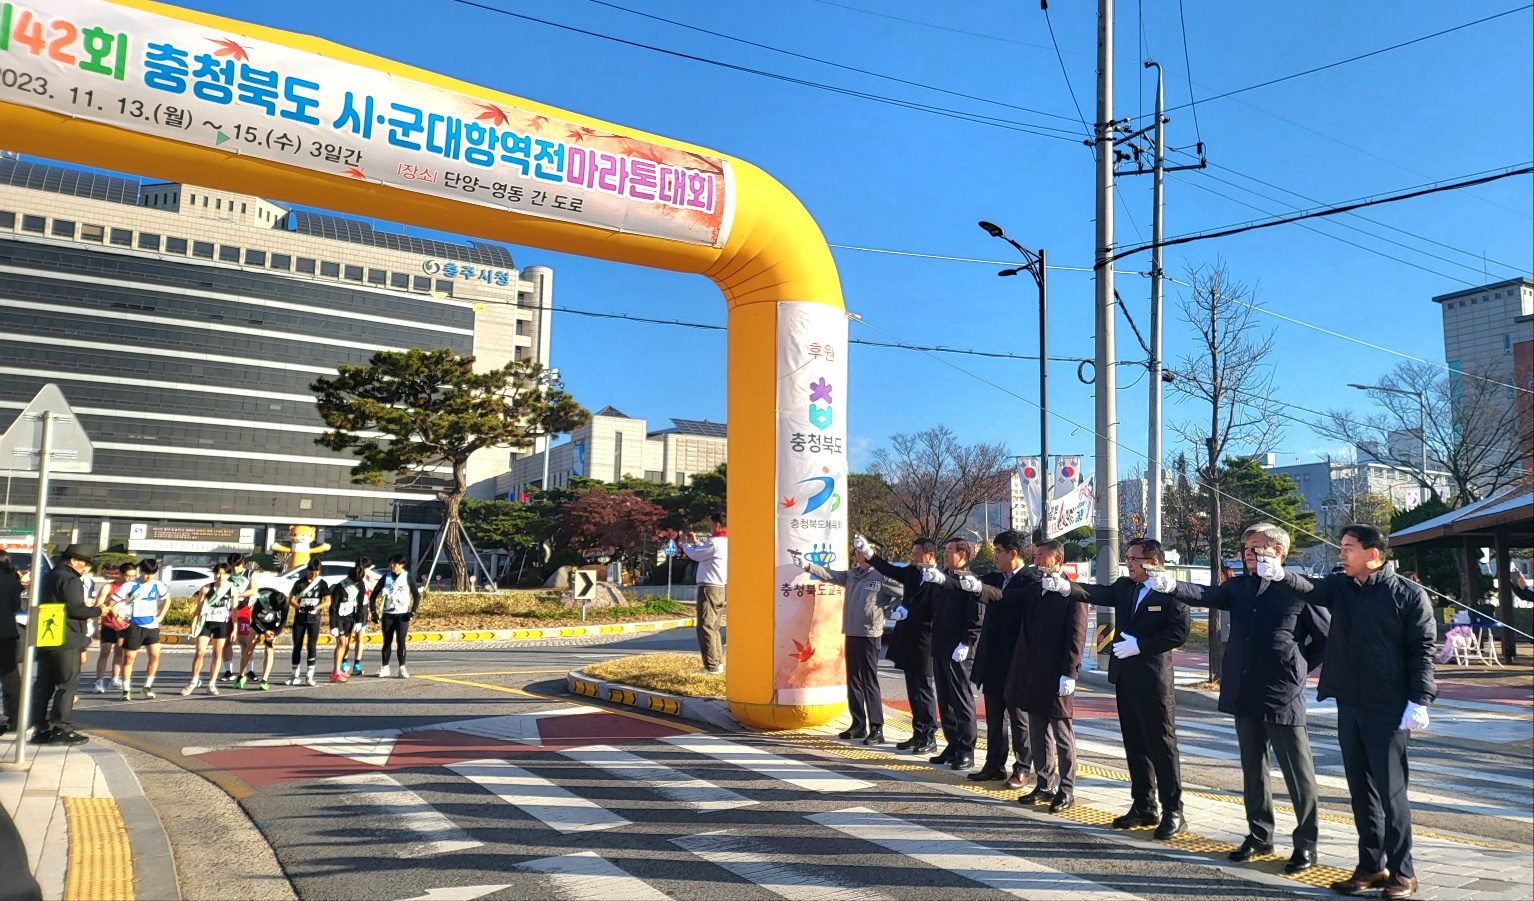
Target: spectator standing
[
  {"x": 58, "y": 667},
  {"x": 867, "y": 600},
  {"x": 11, "y": 603},
  {"x": 712, "y": 555}
]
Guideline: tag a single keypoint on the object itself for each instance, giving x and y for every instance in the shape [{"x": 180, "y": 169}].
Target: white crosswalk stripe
[
  {"x": 556, "y": 807},
  {"x": 689, "y": 791},
  {"x": 1017, "y": 876},
  {"x": 745, "y": 858},
  {"x": 387, "y": 805},
  {"x": 766, "y": 763},
  {"x": 586, "y": 876}
]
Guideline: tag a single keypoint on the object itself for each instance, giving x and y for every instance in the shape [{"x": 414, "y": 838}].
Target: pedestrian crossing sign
[
  {"x": 1104, "y": 637},
  {"x": 50, "y": 625}
]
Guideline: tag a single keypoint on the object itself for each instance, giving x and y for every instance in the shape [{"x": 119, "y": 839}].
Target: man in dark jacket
[
  {"x": 1151, "y": 624},
  {"x": 1042, "y": 679},
  {"x": 1276, "y": 638},
  {"x": 11, "y": 603},
  {"x": 1003, "y": 597},
  {"x": 910, "y": 649},
  {"x": 58, "y": 667},
  {"x": 956, "y": 620},
  {"x": 1379, "y": 667}
]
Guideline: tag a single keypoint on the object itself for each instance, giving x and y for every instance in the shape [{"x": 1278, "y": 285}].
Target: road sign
[
  {"x": 50, "y": 625},
  {"x": 585, "y": 585},
  {"x": 671, "y": 547},
  {"x": 69, "y": 448}
]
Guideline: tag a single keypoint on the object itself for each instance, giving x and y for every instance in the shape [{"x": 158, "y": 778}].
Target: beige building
[{"x": 613, "y": 445}]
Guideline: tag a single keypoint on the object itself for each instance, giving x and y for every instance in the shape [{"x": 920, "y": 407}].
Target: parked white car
[{"x": 185, "y": 580}]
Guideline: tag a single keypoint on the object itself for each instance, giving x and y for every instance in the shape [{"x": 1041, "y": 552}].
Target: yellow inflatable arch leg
[{"x": 169, "y": 93}]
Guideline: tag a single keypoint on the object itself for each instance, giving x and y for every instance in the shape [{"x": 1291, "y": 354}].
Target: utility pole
[{"x": 1106, "y": 384}]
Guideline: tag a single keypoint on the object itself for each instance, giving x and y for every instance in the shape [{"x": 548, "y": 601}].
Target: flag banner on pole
[
  {"x": 1031, "y": 482},
  {"x": 1067, "y": 476}
]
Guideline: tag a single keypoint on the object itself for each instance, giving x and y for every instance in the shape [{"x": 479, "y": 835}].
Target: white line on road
[
  {"x": 765, "y": 763},
  {"x": 390, "y": 805},
  {"x": 521, "y": 728},
  {"x": 1017, "y": 876},
  {"x": 744, "y": 858},
  {"x": 458, "y": 893},
  {"x": 689, "y": 791},
  {"x": 585, "y": 876},
  {"x": 556, "y": 807}
]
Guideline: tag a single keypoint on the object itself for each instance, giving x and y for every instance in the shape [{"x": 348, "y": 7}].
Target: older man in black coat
[
  {"x": 58, "y": 665},
  {"x": 1003, "y": 597},
  {"x": 1151, "y": 624},
  {"x": 910, "y": 647},
  {"x": 956, "y": 622}
]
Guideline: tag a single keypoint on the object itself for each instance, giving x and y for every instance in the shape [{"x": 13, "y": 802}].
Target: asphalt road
[{"x": 480, "y": 778}]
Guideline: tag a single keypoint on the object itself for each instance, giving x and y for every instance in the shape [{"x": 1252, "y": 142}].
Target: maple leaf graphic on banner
[
  {"x": 804, "y": 652},
  {"x": 492, "y": 114},
  {"x": 228, "y": 47},
  {"x": 354, "y": 172}
]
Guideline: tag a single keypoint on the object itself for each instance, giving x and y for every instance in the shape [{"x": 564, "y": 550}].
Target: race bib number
[{"x": 146, "y": 603}]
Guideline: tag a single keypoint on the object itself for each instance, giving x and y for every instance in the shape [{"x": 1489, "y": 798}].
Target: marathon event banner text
[
  {"x": 160, "y": 76},
  {"x": 811, "y": 502}
]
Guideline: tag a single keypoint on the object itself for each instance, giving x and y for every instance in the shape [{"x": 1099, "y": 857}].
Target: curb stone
[
  {"x": 372, "y": 637},
  {"x": 154, "y": 867},
  {"x": 707, "y": 711}
]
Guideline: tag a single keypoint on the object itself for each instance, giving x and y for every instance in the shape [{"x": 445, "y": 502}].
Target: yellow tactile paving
[{"x": 100, "y": 860}]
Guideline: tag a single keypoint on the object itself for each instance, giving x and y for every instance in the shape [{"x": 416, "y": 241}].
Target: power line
[
  {"x": 953, "y": 259},
  {"x": 973, "y": 34},
  {"x": 1188, "y": 67},
  {"x": 993, "y": 121},
  {"x": 1066, "y": 75}
]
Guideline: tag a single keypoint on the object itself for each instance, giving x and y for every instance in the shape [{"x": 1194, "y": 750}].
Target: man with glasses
[
  {"x": 1151, "y": 624},
  {"x": 910, "y": 647},
  {"x": 1003, "y": 596}
]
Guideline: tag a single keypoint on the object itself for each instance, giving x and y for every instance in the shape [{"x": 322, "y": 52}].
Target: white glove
[
  {"x": 1270, "y": 569},
  {"x": 804, "y": 564},
  {"x": 1067, "y": 686},
  {"x": 334, "y": 632},
  {"x": 898, "y": 614},
  {"x": 969, "y": 584},
  {"x": 1057, "y": 584},
  {"x": 961, "y": 653},
  {"x": 1414, "y": 719},
  {"x": 1161, "y": 581},
  {"x": 861, "y": 545},
  {"x": 1127, "y": 646},
  {"x": 934, "y": 576}
]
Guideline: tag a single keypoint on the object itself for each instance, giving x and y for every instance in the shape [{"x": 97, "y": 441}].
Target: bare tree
[
  {"x": 1470, "y": 428},
  {"x": 1229, "y": 373},
  {"x": 935, "y": 482}
]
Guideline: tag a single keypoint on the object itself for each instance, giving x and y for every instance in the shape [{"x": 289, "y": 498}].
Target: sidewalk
[{"x": 89, "y": 831}]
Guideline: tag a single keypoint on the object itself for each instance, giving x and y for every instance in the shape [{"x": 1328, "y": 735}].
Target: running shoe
[
  {"x": 250, "y": 676},
  {"x": 356, "y": 668},
  {"x": 148, "y": 693},
  {"x": 213, "y": 689},
  {"x": 383, "y": 672},
  {"x": 343, "y": 675},
  {"x": 117, "y": 683},
  {"x": 191, "y": 687},
  {"x": 309, "y": 679},
  {"x": 127, "y": 694},
  {"x": 101, "y": 686},
  {"x": 335, "y": 676},
  {"x": 240, "y": 682},
  {"x": 264, "y": 686},
  {"x": 403, "y": 673}
]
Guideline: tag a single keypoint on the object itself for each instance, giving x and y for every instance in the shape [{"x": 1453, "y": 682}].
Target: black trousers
[
  {"x": 1291, "y": 745},
  {"x": 396, "y": 628},
  {"x": 1147, "y": 720},
  {"x": 1054, "y": 752},
  {"x": 956, "y": 704},
  {"x": 53, "y": 695},
  {"x": 864, "y": 701},
  {"x": 1374, "y": 759},
  {"x": 305, "y": 629},
  {"x": 1001, "y": 722},
  {"x": 920, "y": 692},
  {"x": 10, "y": 679}
]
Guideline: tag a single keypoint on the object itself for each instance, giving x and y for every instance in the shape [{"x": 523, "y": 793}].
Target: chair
[{"x": 1475, "y": 641}]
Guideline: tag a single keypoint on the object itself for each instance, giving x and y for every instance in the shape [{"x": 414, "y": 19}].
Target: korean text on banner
[
  {"x": 812, "y": 492},
  {"x": 159, "y": 76}
]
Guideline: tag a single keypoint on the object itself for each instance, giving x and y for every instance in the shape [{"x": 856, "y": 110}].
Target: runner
[
  {"x": 243, "y": 592},
  {"x": 364, "y": 616},
  {"x": 305, "y": 599},
  {"x": 215, "y": 606},
  {"x": 347, "y": 614},
  {"x": 401, "y": 596},
  {"x": 148, "y": 602},
  {"x": 112, "y": 598},
  {"x": 268, "y": 616}
]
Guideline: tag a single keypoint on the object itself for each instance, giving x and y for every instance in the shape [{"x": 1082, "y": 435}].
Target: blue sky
[{"x": 880, "y": 176}]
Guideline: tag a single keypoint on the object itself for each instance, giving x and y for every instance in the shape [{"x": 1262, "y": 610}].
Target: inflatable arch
[{"x": 148, "y": 88}]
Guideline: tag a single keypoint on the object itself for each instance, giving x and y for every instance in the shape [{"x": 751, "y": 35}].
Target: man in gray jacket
[{"x": 869, "y": 598}]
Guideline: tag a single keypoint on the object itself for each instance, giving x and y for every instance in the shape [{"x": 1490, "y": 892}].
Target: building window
[
  {"x": 377, "y": 277},
  {"x": 400, "y": 280},
  {"x": 281, "y": 261},
  {"x": 521, "y": 326},
  {"x": 228, "y": 254},
  {"x": 330, "y": 270},
  {"x": 63, "y": 228},
  {"x": 202, "y": 249},
  {"x": 305, "y": 265},
  {"x": 242, "y": 207},
  {"x": 121, "y": 237},
  {"x": 255, "y": 257},
  {"x": 147, "y": 241},
  {"x": 445, "y": 286},
  {"x": 175, "y": 245},
  {"x": 354, "y": 273},
  {"x": 1473, "y": 301},
  {"x": 192, "y": 199},
  {"x": 205, "y": 201},
  {"x": 218, "y": 203},
  {"x": 7, "y": 219},
  {"x": 33, "y": 223},
  {"x": 516, "y": 353},
  {"x": 423, "y": 283},
  {"x": 89, "y": 232},
  {"x": 175, "y": 198},
  {"x": 617, "y": 455}
]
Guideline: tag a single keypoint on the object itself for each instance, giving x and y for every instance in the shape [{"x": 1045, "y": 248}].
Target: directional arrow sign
[
  {"x": 585, "y": 585},
  {"x": 70, "y": 448}
]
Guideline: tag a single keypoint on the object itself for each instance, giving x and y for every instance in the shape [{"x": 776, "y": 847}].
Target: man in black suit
[
  {"x": 956, "y": 622},
  {"x": 1003, "y": 597},
  {"x": 1151, "y": 624},
  {"x": 910, "y": 647}
]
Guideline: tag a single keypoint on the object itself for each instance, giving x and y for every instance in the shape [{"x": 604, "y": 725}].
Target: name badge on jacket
[{"x": 1154, "y": 609}]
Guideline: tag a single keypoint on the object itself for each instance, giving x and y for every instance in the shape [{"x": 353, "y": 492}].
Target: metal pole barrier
[{"x": 34, "y": 598}]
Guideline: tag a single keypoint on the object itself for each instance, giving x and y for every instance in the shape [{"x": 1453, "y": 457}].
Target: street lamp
[
  {"x": 548, "y": 380},
  {"x": 1421, "y": 396},
  {"x": 1034, "y": 266}
]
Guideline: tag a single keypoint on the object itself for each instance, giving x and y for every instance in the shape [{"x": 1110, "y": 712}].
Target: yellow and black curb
[
  {"x": 708, "y": 711},
  {"x": 550, "y": 634}
]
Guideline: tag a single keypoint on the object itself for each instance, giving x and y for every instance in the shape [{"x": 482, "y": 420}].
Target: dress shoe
[
  {"x": 1063, "y": 801},
  {"x": 1137, "y": 818},
  {"x": 1039, "y": 795},
  {"x": 1249, "y": 849},
  {"x": 42, "y": 735},
  {"x": 1018, "y": 779},
  {"x": 962, "y": 762},
  {"x": 1172, "y": 825},
  {"x": 946, "y": 757},
  {"x": 875, "y": 736},
  {"x": 1399, "y": 887},
  {"x": 987, "y": 774},
  {"x": 926, "y": 747},
  {"x": 908, "y": 744},
  {"x": 1300, "y": 861},
  {"x": 854, "y": 734},
  {"x": 1362, "y": 880}
]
